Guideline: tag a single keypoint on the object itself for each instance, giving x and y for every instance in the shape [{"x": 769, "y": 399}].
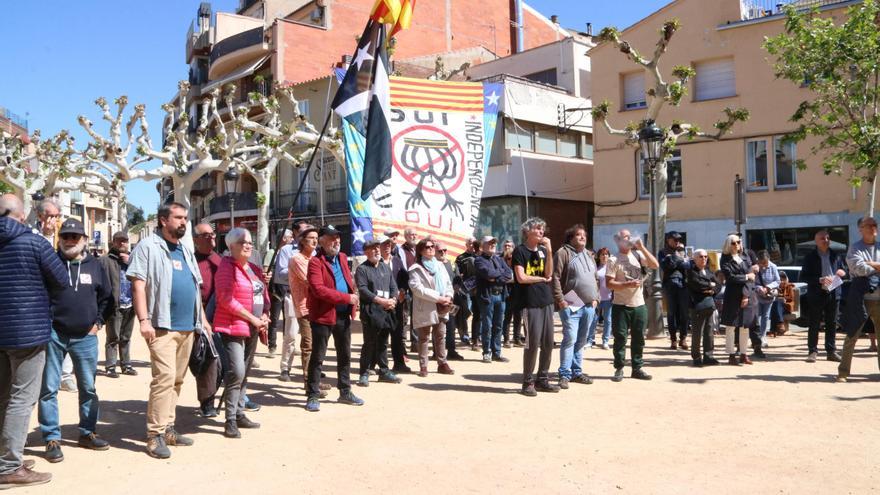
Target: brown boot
[
  {"x": 683, "y": 344},
  {"x": 423, "y": 371},
  {"x": 732, "y": 360},
  {"x": 673, "y": 346},
  {"x": 23, "y": 477},
  {"x": 444, "y": 369},
  {"x": 744, "y": 359}
]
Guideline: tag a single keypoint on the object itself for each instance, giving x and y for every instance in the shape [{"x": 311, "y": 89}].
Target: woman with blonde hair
[{"x": 740, "y": 309}]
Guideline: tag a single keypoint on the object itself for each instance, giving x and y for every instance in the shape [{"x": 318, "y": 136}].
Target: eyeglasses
[
  {"x": 246, "y": 243},
  {"x": 207, "y": 235},
  {"x": 442, "y": 250}
]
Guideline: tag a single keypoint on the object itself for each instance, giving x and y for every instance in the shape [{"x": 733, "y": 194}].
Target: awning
[{"x": 243, "y": 71}]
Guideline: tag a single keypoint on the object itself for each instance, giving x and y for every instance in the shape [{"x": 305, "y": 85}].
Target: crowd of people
[{"x": 208, "y": 313}]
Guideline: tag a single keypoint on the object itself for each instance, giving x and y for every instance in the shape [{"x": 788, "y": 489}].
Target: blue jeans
[
  {"x": 575, "y": 325},
  {"x": 491, "y": 323},
  {"x": 84, "y": 353},
  {"x": 603, "y": 312},
  {"x": 764, "y": 313}
]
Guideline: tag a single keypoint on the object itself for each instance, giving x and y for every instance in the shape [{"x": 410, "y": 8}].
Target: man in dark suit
[{"x": 819, "y": 270}]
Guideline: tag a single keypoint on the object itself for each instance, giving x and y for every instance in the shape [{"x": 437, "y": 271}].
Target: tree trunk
[
  {"x": 182, "y": 190},
  {"x": 263, "y": 187},
  {"x": 872, "y": 194}
]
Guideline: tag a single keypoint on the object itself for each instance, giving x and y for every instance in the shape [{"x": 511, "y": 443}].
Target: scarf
[{"x": 434, "y": 269}]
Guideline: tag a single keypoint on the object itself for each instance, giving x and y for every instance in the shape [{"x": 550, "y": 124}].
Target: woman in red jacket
[{"x": 241, "y": 316}]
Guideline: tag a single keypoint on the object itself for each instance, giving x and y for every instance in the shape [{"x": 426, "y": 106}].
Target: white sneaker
[
  {"x": 68, "y": 385},
  {"x": 812, "y": 357},
  {"x": 606, "y": 346}
]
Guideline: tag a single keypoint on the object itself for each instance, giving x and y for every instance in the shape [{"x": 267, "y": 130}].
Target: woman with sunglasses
[
  {"x": 432, "y": 301},
  {"x": 241, "y": 316},
  {"x": 740, "y": 309}
]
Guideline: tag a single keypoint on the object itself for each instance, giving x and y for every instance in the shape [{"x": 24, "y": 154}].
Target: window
[
  {"x": 303, "y": 107},
  {"x": 786, "y": 173},
  {"x": 715, "y": 79},
  {"x": 545, "y": 76},
  {"x": 634, "y": 91},
  {"x": 518, "y": 136},
  {"x": 756, "y": 163},
  {"x": 787, "y": 247},
  {"x": 545, "y": 141},
  {"x": 674, "y": 181},
  {"x": 568, "y": 144},
  {"x": 586, "y": 150}
]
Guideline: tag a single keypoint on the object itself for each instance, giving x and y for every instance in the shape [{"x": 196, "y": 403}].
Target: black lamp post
[
  {"x": 230, "y": 177},
  {"x": 38, "y": 196},
  {"x": 651, "y": 139}
]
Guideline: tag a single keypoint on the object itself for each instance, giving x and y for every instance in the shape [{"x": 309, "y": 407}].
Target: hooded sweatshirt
[{"x": 86, "y": 299}]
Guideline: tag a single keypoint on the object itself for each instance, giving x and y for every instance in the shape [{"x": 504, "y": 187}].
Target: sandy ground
[{"x": 780, "y": 426}]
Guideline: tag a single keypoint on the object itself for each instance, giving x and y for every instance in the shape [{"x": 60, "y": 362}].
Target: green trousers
[{"x": 626, "y": 320}]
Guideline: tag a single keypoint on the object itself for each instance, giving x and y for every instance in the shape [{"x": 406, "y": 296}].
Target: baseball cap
[
  {"x": 375, "y": 241},
  {"x": 72, "y": 226},
  {"x": 328, "y": 230},
  {"x": 673, "y": 235},
  {"x": 488, "y": 238},
  {"x": 120, "y": 235}
]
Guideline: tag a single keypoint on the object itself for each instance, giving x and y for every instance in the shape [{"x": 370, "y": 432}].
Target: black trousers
[
  {"x": 279, "y": 292},
  {"x": 702, "y": 333},
  {"x": 677, "y": 311},
  {"x": 511, "y": 316},
  {"x": 398, "y": 335},
  {"x": 822, "y": 309},
  {"x": 341, "y": 332},
  {"x": 375, "y": 349}
]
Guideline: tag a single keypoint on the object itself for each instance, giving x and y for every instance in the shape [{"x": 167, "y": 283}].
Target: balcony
[
  {"x": 336, "y": 200},
  {"x": 197, "y": 43},
  {"x": 243, "y": 5},
  {"x": 307, "y": 204},
  {"x": 243, "y": 201},
  {"x": 757, "y": 10},
  {"x": 203, "y": 185},
  {"x": 243, "y": 42}
]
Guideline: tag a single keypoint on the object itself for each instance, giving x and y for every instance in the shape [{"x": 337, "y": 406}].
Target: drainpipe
[{"x": 519, "y": 27}]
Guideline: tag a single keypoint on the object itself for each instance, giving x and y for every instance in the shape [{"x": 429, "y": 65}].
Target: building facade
[{"x": 722, "y": 40}]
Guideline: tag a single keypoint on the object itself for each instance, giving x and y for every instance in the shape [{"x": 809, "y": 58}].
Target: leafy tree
[
  {"x": 840, "y": 64},
  {"x": 135, "y": 214}
]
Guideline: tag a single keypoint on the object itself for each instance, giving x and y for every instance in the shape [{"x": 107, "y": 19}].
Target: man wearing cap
[
  {"x": 165, "y": 291},
  {"x": 78, "y": 311},
  {"x": 675, "y": 266},
  {"x": 493, "y": 275},
  {"x": 332, "y": 301},
  {"x": 392, "y": 234},
  {"x": 378, "y": 297},
  {"x": 28, "y": 270},
  {"x": 121, "y": 320}
]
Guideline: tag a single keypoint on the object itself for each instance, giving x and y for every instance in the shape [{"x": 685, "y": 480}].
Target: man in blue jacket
[
  {"x": 78, "y": 311},
  {"x": 493, "y": 275},
  {"x": 27, "y": 266}
]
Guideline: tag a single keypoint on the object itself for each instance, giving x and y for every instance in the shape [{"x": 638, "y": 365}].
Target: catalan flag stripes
[
  {"x": 405, "y": 18},
  {"x": 386, "y": 11},
  {"x": 453, "y": 241},
  {"x": 431, "y": 95}
]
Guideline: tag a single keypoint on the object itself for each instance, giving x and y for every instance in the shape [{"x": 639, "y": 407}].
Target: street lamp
[
  {"x": 651, "y": 139},
  {"x": 38, "y": 196},
  {"x": 231, "y": 178}
]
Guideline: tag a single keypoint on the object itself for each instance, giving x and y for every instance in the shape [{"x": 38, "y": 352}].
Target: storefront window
[
  {"x": 787, "y": 247},
  {"x": 501, "y": 218}
]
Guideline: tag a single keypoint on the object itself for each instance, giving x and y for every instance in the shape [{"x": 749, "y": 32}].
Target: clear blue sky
[{"x": 60, "y": 56}]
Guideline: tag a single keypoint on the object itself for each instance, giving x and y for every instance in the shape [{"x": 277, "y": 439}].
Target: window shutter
[
  {"x": 634, "y": 91},
  {"x": 715, "y": 79}
]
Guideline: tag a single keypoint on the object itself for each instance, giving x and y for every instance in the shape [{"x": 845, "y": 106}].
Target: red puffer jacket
[
  {"x": 323, "y": 296},
  {"x": 233, "y": 290}
]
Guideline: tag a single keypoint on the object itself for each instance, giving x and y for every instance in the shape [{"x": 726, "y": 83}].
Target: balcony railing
[
  {"x": 306, "y": 204},
  {"x": 236, "y": 42},
  {"x": 336, "y": 199},
  {"x": 243, "y": 201},
  {"x": 755, "y": 9}
]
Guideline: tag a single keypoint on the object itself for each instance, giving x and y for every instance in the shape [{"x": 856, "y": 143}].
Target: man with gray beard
[{"x": 78, "y": 311}]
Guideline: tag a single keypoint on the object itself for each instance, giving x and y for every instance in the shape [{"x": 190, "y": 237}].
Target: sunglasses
[
  {"x": 70, "y": 237},
  {"x": 442, "y": 250},
  {"x": 736, "y": 242},
  {"x": 429, "y": 246}
]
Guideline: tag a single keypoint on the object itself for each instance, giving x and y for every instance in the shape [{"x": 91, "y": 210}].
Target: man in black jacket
[
  {"x": 78, "y": 310},
  {"x": 121, "y": 320},
  {"x": 378, "y": 291},
  {"x": 675, "y": 265},
  {"x": 493, "y": 275},
  {"x": 819, "y": 270}
]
